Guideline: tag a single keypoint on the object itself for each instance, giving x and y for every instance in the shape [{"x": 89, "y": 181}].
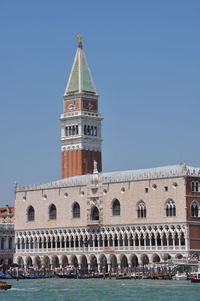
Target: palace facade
[{"x": 95, "y": 220}]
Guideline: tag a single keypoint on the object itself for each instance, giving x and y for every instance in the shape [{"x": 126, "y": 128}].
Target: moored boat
[
  {"x": 180, "y": 276},
  {"x": 4, "y": 285},
  {"x": 195, "y": 277}
]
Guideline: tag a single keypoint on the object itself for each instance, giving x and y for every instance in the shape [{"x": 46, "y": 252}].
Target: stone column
[
  {"x": 123, "y": 242},
  {"x": 79, "y": 243},
  {"x": 129, "y": 242},
  {"x": 119, "y": 267},
  {"x": 6, "y": 242},
  {"x": 118, "y": 241},
  {"x": 98, "y": 239},
  {"x": 56, "y": 243},
  {"x": 150, "y": 242},
  {"x": 113, "y": 241},
  {"x": 187, "y": 238},
  {"x": 74, "y": 244},
  {"x": 20, "y": 244},
  {"x": 93, "y": 242},
  {"x": 139, "y": 237},
  {"x": 29, "y": 244},
  {"x": 173, "y": 239},
  {"x": 145, "y": 237},
  {"x": 161, "y": 238},
  {"x": 98, "y": 266},
  {"x": 167, "y": 237},
  {"x": 51, "y": 243},
  {"x": 108, "y": 237},
  {"x": 179, "y": 241},
  {"x": 70, "y": 239},
  {"x": 133, "y": 241},
  {"x": 103, "y": 238},
  {"x": 156, "y": 245},
  {"x": 42, "y": 243}
]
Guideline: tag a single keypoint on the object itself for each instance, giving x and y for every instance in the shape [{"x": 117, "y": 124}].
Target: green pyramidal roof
[{"x": 80, "y": 79}]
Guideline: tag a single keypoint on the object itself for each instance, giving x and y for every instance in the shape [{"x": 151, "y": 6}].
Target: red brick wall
[
  {"x": 93, "y": 102},
  {"x": 77, "y": 103},
  {"x": 190, "y": 197},
  {"x": 79, "y": 162},
  {"x": 194, "y": 236},
  {"x": 194, "y": 230}
]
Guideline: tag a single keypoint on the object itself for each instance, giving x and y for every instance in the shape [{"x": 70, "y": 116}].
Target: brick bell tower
[{"x": 80, "y": 122}]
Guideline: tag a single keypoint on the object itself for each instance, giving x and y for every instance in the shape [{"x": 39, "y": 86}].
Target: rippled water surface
[{"x": 101, "y": 290}]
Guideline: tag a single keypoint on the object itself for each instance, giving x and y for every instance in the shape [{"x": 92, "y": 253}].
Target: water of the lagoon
[{"x": 101, "y": 290}]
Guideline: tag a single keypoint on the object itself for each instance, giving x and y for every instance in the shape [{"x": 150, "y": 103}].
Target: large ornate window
[
  {"x": 76, "y": 210},
  {"x": 195, "y": 209},
  {"x": 116, "y": 207},
  {"x": 170, "y": 208},
  {"x": 141, "y": 210},
  {"x": 31, "y": 213},
  {"x": 52, "y": 212},
  {"x": 94, "y": 214}
]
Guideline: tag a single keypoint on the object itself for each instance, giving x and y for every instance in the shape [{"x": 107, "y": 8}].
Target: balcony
[
  {"x": 7, "y": 251},
  {"x": 96, "y": 249},
  {"x": 93, "y": 223}
]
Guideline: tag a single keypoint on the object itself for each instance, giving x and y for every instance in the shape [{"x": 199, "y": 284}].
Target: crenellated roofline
[{"x": 172, "y": 171}]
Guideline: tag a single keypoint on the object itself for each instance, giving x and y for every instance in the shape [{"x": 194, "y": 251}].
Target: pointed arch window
[
  {"x": 52, "y": 212},
  {"x": 76, "y": 210},
  {"x": 192, "y": 186},
  {"x": 141, "y": 210},
  {"x": 95, "y": 131},
  {"x": 94, "y": 214},
  {"x": 195, "y": 209},
  {"x": 31, "y": 213},
  {"x": 170, "y": 208},
  {"x": 116, "y": 207}
]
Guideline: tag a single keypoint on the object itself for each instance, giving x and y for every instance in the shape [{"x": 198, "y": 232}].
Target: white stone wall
[{"x": 134, "y": 191}]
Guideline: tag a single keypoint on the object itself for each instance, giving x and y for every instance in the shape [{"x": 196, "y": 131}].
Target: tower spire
[
  {"x": 80, "y": 79},
  {"x": 79, "y": 38}
]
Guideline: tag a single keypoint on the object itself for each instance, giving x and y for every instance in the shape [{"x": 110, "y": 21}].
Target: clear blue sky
[{"x": 145, "y": 61}]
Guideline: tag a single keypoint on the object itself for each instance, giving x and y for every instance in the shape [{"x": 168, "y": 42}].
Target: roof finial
[{"x": 79, "y": 38}]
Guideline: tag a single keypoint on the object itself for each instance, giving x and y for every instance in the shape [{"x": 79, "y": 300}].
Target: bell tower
[{"x": 80, "y": 121}]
